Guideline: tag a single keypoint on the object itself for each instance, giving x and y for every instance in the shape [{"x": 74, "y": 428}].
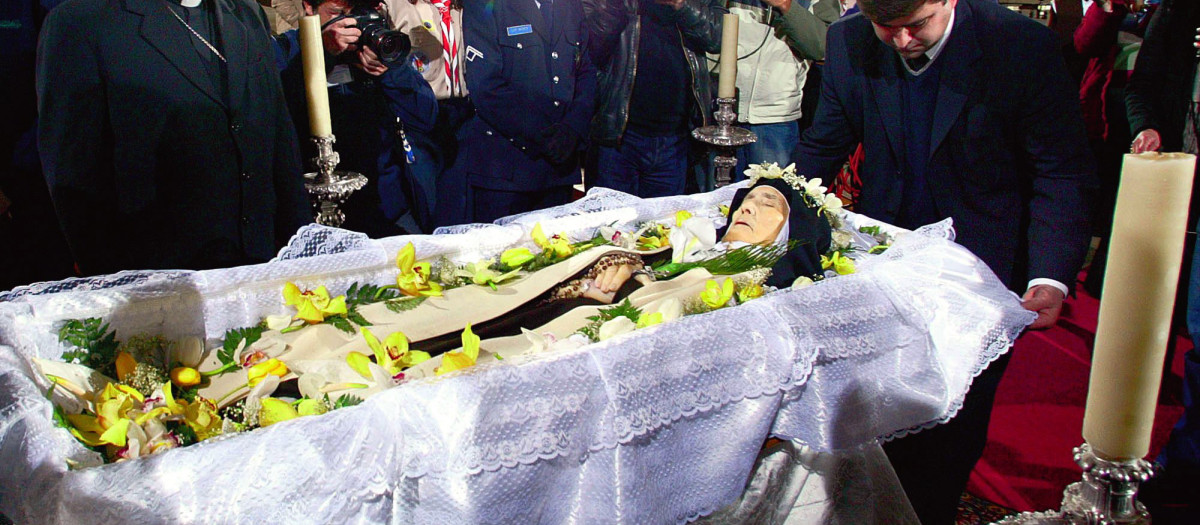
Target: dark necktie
[{"x": 917, "y": 63}]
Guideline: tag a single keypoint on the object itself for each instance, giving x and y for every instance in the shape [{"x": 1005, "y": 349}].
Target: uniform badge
[
  {"x": 520, "y": 30},
  {"x": 473, "y": 53}
]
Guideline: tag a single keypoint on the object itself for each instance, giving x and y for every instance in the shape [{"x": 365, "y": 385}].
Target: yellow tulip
[
  {"x": 125, "y": 365},
  {"x": 460, "y": 359},
  {"x": 260, "y": 371},
  {"x": 311, "y": 407},
  {"x": 717, "y": 296},
  {"x": 516, "y": 257},
  {"x": 185, "y": 376},
  {"x": 313, "y": 306},
  {"x": 275, "y": 411}
]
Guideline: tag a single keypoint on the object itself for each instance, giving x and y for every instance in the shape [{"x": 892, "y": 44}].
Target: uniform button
[
  {"x": 489, "y": 132},
  {"x": 245, "y": 176},
  {"x": 554, "y": 55},
  {"x": 555, "y": 79},
  {"x": 519, "y": 46},
  {"x": 556, "y": 103}
]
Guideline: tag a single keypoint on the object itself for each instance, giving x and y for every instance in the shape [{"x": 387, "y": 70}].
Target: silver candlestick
[
  {"x": 1107, "y": 495},
  {"x": 327, "y": 187},
  {"x": 725, "y": 139}
]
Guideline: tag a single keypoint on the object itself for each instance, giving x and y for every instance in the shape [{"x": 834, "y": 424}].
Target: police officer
[{"x": 533, "y": 86}]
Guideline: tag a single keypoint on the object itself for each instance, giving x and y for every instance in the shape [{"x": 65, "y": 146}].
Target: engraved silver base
[
  {"x": 328, "y": 188},
  {"x": 1107, "y": 495},
  {"x": 725, "y": 139}
]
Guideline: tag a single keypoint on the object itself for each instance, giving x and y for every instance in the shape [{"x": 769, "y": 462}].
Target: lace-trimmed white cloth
[{"x": 662, "y": 425}]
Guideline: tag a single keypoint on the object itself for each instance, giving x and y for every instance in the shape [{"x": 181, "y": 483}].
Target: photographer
[{"x": 373, "y": 92}]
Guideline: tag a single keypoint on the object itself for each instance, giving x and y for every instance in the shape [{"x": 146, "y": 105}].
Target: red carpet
[{"x": 1038, "y": 415}]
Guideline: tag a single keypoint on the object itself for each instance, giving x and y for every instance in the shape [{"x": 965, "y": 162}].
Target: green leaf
[
  {"x": 346, "y": 401},
  {"x": 731, "y": 262},
  {"x": 234, "y": 337},
  {"x": 95, "y": 345},
  {"x": 404, "y": 304},
  {"x": 625, "y": 309},
  {"x": 341, "y": 323},
  {"x": 365, "y": 294},
  {"x": 357, "y": 318}
]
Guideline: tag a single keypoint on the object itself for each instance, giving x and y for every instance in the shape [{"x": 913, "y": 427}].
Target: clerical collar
[
  {"x": 186, "y": 3},
  {"x": 934, "y": 51}
]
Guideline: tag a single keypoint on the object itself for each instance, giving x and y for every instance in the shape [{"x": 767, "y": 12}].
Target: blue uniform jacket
[{"x": 527, "y": 69}]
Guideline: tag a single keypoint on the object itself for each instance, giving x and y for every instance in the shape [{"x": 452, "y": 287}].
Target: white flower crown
[{"x": 812, "y": 190}]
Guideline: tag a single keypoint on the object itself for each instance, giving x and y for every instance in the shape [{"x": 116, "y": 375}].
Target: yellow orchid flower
[
  {"x": 748, "y": 292},
  {"x": 275, "y": 411},
  {"x": 650, "y": 319},
  {"x": 717, "y": 296},
  {"x": 313, "y": 306},
  {"x": 839, "y": 263},
  {"x": 723, "y": 209},
  {"x": 201, "y": 416},
  {"x": 516, "y": 257},
  {"x": 392, "y": 354},
  {"x": 482, "y": 274},
  {"x": 413, "y": 279},
  {"x": 260, "y": 371},
  {"x": 111, "y": 423},
  {"x": 460, "y": 359},
  {"x": 680, "y": 216},
  {"x": 558, "y": 245}
]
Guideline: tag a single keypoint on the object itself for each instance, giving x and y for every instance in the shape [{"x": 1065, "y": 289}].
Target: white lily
[
  {"x": 694, "y": 236},
  {"x": 614, "y": 327},
  {"x": 548, "y": 342},
  {"x": 619, "y": 238}
]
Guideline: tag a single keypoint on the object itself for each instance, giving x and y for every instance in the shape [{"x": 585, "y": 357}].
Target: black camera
[{"x": 391, "y": 45}]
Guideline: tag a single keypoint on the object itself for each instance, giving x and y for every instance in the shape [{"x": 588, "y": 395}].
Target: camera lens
[{"x": 393, "y": 46}]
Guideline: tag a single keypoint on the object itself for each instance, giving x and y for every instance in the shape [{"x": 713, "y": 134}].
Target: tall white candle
[
  {"x": 316, "y": 89},
  {"x": 1144, "y": 258},
  {"x": 727, "y": 84}
]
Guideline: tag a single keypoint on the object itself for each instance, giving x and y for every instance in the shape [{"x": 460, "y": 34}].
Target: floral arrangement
[{"x": 141, "y": 396}]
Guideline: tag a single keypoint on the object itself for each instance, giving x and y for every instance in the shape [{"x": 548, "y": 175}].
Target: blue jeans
[
  {"x": 645, "y": 166},
  {"x": 776, "y": 143}
]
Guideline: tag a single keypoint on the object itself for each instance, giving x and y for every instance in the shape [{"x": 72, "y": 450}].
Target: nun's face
[{"x": 760, "y": 217}]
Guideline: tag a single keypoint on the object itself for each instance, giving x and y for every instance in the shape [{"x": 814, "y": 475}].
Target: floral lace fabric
[{"x": 657, "y": 426}]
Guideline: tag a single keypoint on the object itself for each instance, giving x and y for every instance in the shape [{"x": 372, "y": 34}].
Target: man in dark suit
[
  {"x": 164, "y": 135},
  {"x": 534, "y": 89},
  {"x": 965, "y": 110}
]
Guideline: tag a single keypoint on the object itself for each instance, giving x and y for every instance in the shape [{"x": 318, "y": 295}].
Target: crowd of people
[{"x": 174, "y": 133}]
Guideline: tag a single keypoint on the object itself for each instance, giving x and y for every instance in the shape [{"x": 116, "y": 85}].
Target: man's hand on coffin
[
  {"x": 1047, "y": 301},
  {"x": 1147, "y": 140},
  {"x": 559, "y": 142}
]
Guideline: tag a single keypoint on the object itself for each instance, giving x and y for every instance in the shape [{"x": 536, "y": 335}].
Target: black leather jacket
[{"x": 614, "y": 27}]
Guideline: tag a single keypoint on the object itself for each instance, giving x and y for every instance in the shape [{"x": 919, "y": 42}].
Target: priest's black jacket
[{"x": 153, "y": 161}]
